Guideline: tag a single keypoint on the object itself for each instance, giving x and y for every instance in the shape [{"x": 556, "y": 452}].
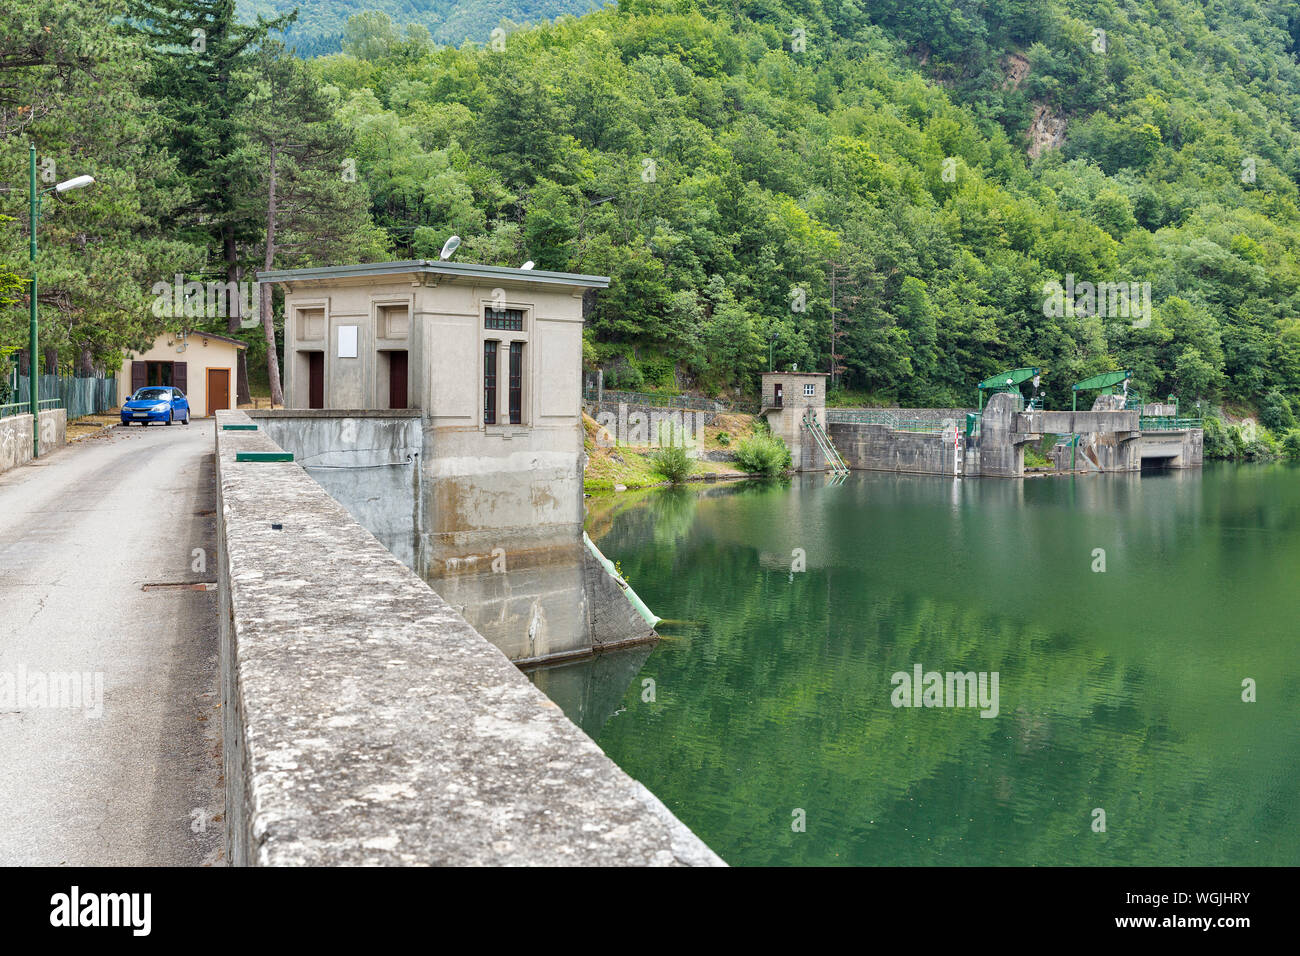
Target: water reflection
[
  {"x": 1119, "y": 689},
  {"x": 591, "y": 691}
]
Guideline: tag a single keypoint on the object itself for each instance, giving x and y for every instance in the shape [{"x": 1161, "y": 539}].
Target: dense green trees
[
  {"x": 715, "y": 160},
  {"x": 69, "y": 84},
  {"x": 719, "y": 161},
  {"x": 215, "y": 153}
]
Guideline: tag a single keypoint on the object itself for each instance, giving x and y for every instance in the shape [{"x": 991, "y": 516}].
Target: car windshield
[{"x": 153, "y": 394}]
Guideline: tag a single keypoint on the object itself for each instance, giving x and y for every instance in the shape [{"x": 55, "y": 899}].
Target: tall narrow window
[
  {"x": 490, "y": 382},
  {"x": 516, "y": 383}
]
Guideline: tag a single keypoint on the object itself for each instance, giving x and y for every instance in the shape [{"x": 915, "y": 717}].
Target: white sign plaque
[{"x": 347, "y": 341}]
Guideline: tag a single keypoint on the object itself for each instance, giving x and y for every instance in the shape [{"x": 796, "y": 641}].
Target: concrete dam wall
[
  {"x": 367, "y": 723},
  {"x": 1107, "y": 438}
]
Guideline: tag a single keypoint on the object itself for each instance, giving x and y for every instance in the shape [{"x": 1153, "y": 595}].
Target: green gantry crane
[
  {"x": 1107, "y": 383},
  {"x": 1009, "y": 381}
]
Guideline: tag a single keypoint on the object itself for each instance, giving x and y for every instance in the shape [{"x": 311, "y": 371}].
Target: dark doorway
[
  {"x": 315, "y": 379},
  {"x": 777, "y": 395},
  {"x": 159, "y": 373},
  {"x": 397, "y": 379}
]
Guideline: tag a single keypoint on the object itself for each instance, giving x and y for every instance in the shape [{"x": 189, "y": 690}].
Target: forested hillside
[
  {"x": 939, "y": 162},
  {"x": 320, "y": 25}
]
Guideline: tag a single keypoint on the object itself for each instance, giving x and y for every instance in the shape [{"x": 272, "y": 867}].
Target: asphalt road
[{"x": 129, "y": 776}]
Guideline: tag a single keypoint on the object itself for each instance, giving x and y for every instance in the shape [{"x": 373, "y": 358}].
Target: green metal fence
[
  {"x": 80, "y": 396},
  {"x": 1165, "y": 423},
  {"x": 666, "y": 400},
  {"x": 857, "y": 416},
  {"x": 22, "y": 408}
]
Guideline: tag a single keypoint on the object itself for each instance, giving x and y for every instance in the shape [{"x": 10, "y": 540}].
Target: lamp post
[
  {"x": 33, "y": 364},
  {"x": 770, "y": 343}
]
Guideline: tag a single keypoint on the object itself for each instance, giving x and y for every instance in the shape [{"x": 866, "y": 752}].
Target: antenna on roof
[
  {"x": 527, "y": 265},
  {"x": 449, "y": 247}
]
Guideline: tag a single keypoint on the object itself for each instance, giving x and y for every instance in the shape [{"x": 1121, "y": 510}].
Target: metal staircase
[{"x": 824, "y": 443}]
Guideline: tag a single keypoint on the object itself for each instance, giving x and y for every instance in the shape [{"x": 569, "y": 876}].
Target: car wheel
[
  {"x": 169, "y": 417},
  {"x": 187, "y": 418}
]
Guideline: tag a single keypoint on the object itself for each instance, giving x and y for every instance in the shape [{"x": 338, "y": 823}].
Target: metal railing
[
  {"x": 22, "y": 408},
  {"x": 1167, "y": 423},
  {"x": 828, "y": 449},
  {"x": 666, "y": 400}
]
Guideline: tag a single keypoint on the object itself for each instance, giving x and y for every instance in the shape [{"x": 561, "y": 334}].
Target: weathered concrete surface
[
  {"x": 369, "y": 461},
  {"x": 1073, "y": 423},
  {"x": 550, "y": 604},
  {"x": 16, "y": 436},
  {"x": 514, "y": 487},
  {"x": 368, "y": 723},
  {"x": 81, "y": 533},
  {"x": 881, "y": 448},
  {"x": 1182, "y": 448}
]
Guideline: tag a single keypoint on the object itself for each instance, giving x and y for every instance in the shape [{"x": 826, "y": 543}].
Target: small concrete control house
[{"x": 492, "y": 359}]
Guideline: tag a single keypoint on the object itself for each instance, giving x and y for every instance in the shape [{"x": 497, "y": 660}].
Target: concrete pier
[{"x": 366, "y": 723}]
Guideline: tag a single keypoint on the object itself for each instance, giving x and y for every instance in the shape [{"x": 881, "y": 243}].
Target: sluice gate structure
[{"x": 1117, "y": 434}]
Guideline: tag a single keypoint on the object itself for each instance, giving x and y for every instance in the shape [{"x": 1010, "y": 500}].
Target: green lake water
[{"x": 1119, "y": 690}]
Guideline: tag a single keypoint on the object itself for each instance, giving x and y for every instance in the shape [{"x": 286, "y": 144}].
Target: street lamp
[
  {"x": 33, "y": 364},
  {"x": 770, "y": 343}
]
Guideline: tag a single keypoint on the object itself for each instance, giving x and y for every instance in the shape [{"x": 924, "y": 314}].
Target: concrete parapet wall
[
  {"x": 16, "y": 436},
  {"x": 367, "y": 723},
  {"x": 1070, "y": 423}
]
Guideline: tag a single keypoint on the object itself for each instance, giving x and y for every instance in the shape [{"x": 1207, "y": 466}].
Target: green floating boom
[{"x": 239, "y": 428}]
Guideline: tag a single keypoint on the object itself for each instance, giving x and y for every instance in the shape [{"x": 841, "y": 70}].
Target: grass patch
[{"x": 609, "y": 465}]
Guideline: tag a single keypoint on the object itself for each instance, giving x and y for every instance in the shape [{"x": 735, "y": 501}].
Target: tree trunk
[
  {"x": 51, "y": 361},
  {"x": 234, "y": 303},
  {"x": 85, "y": 363},
  {"x": 268, "y": 319}
]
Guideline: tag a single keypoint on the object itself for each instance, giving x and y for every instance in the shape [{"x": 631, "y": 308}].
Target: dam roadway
[{"x": 129, "y": 775}]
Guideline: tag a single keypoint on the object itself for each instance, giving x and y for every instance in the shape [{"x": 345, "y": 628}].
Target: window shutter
[
  {"x": 180, "y": 377},
  {"x": 139, "y": 372}
]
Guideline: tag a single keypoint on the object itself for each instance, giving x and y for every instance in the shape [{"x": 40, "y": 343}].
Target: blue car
[{"x": 156, "y": 403}]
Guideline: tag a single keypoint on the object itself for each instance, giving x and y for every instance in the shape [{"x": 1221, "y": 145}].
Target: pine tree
[
  {"x": 304, "y": 185},
  {"x": 198, "y": 48}
]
